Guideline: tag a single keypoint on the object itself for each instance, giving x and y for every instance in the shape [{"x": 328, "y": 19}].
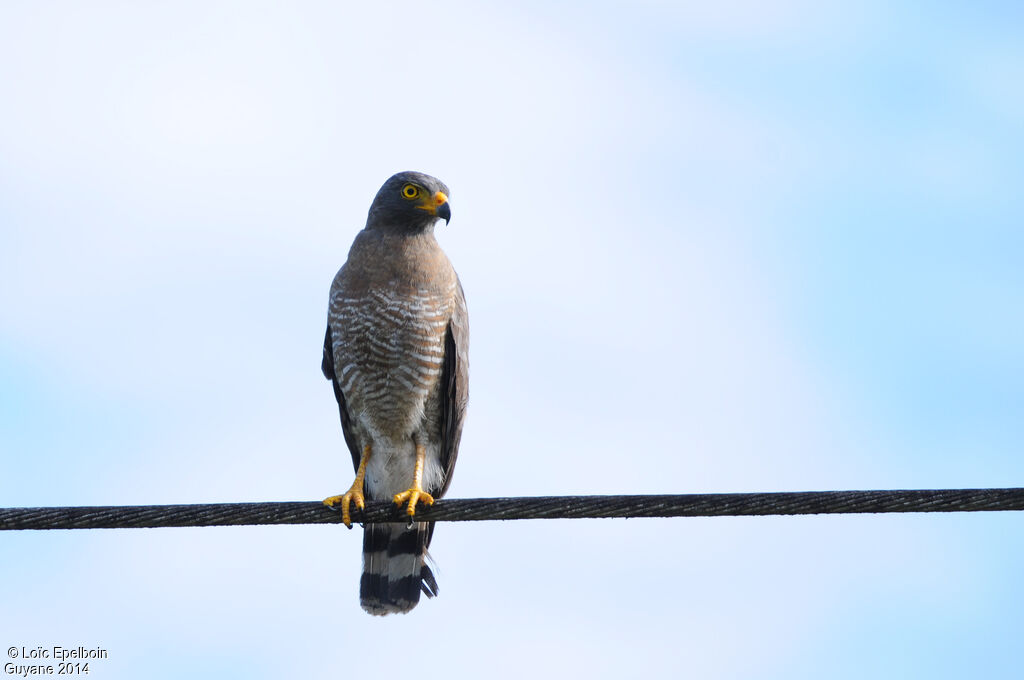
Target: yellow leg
[
  {"x": 415, "y": 493},
  {"x": 354, "y": 493}
]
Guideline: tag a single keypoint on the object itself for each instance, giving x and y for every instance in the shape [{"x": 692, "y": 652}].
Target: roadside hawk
[{"x": 396, "y": 352}]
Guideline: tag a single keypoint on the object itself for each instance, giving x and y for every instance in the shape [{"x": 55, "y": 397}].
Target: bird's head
[{"x": 409, "y": 202}]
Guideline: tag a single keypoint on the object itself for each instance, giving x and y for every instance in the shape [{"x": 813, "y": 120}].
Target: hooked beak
[
  {"x": 437, "y": 205},
  {"x": 444, "y": 210}
]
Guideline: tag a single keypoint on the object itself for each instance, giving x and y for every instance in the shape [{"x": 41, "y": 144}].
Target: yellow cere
[{"x": 431, "y": 206}]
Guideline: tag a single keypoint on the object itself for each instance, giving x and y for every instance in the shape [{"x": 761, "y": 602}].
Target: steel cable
[{"x": 538, "y": 507}]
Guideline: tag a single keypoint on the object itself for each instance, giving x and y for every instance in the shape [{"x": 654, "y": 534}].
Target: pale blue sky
[{"x": 729, "y": 248}]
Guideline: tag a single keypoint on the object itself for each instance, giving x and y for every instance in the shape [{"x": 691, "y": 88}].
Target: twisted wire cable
[{"x": 529, "y": 507}]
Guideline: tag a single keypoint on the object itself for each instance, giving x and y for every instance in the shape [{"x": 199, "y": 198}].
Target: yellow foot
[
  {"x": 354, "y": 493},
  {"x": 345, "y": 500},
  {"x": 414, "y": 496}
]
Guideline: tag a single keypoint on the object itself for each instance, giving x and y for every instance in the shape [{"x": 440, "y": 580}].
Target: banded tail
[{"x": 395, "y": 568}]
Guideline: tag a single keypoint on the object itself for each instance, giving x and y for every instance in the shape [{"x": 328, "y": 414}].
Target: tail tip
[{"x": 380, "y": 597}]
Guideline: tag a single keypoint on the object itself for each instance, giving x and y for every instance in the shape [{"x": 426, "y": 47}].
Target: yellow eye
[{"x": 410, "y": 191}]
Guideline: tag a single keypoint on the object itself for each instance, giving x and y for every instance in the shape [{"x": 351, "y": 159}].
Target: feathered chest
[
  {"x": 388, "y": 351},
  {"x": 390, "y": 307},
  {"x": 389, "y": 314}
]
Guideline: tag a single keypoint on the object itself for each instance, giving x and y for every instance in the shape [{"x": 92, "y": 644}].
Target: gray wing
[
  {"x": 455, "y": 382},
  {"x": 327, "y": 366}
]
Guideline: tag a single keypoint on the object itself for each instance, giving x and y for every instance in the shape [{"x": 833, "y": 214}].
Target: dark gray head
[{"x": 409, "y": 202}]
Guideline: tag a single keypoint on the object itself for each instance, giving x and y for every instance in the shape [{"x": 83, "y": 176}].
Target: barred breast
[{"x": 390, "y": 349}]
